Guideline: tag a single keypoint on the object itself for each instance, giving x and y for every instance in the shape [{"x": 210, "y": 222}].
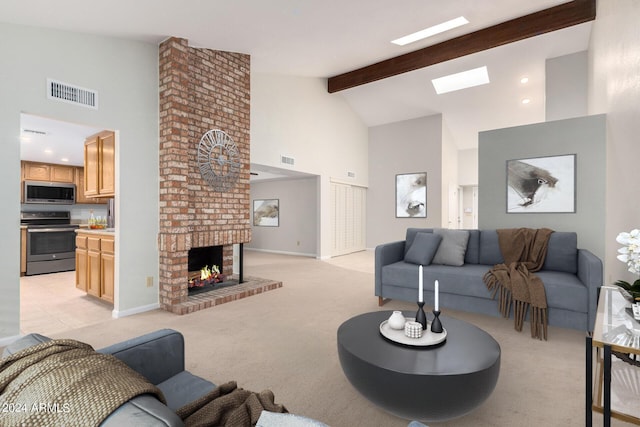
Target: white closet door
[{"x": 347, "y": 218}]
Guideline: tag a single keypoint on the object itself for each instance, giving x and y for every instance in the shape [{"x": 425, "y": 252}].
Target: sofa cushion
[
  {"x": 564, "y": 291},
  {"x": 472, "y": 256},
  {"x": 452, "y": 248},
  {"x": 562, "y": 252},
  {"x": 24, "y": 342},
  {"x": 184, "y": 388},
  {"x": 490, "y": 253},
  {"x": 423, "y": 248}
]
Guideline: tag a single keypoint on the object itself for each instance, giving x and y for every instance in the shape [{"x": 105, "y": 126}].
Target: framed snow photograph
[
  {"x": 266, "y": 212},
  {"x": 411, "y": 195},
  {"x": 542, "y": 185}
]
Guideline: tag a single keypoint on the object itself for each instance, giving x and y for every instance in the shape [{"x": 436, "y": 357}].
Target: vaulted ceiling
[{"x": 332, "y": 37}]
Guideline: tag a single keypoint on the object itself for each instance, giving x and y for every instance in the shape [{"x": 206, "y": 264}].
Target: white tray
[{"x": 428, "y": 338}]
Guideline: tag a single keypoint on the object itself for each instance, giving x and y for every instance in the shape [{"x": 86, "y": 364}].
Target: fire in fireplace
[{"x": 206, "y": 269}]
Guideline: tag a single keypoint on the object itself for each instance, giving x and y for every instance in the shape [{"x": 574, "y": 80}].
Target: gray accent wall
[
  {"x": 298, "y": 232},
  {"x": 410, "y": 146},
  {"x": 585, "y": 137}
]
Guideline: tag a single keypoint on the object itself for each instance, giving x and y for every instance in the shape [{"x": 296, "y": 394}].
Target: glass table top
[{"x": 615, "y": 324}]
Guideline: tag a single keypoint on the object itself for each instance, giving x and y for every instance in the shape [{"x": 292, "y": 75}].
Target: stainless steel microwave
[{"x": 58, "y": 193}]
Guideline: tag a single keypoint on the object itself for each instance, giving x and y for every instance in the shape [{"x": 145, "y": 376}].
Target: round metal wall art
[{"x": 218, "y": 160}]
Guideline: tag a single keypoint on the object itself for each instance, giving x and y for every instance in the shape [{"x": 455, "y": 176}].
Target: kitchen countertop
[{"x": 110, "y": 231}]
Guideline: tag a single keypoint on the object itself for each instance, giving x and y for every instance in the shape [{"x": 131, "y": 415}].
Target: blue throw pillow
[{"x": 423, "y": 248}]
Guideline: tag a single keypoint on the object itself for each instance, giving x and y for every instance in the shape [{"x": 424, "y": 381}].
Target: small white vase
[{"x": 396, "y": 320}]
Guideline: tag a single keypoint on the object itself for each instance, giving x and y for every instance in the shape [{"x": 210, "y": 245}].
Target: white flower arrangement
[{"x": 630, "y": 252}]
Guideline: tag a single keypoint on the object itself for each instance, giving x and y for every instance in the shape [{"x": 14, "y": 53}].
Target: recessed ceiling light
[
  {"x": 48, "y": 151},
  {"x": 431, "y": 31},
  {"x": 526, "y": 101},
  {"x": 524, "y": 80},
  {"x": 64, "y": 159},
  {"x": 476, "y": 77}
]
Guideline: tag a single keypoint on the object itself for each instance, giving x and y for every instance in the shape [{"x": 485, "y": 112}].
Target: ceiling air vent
[
  {"x": 285, "y": 160},
  {"x": 72, "y": 94}
]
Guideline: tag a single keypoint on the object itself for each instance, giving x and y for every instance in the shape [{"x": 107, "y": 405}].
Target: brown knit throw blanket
[
  {"x": 65, "y": 383},
  {"x": 524, "y": 251},
  {"x": 228, "y": 406}
]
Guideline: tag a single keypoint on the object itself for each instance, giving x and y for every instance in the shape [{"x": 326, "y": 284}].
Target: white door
[{"x": 347, "y": 218}]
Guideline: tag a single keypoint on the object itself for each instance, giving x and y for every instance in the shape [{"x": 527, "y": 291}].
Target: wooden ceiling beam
[{"x": 545, "y": 21}]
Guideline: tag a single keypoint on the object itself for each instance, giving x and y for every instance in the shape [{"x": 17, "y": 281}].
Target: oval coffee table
[{"x": 423, "y": 383}]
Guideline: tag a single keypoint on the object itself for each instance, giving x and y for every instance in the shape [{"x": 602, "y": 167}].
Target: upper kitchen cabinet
[
  {"x": 33, "y": 171},
  {"x": 80, "y": 194},
  {"x": 99, "y": 165}
]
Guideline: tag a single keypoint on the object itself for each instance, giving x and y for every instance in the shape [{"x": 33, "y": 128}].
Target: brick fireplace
[{"x": 200, "y": 90}]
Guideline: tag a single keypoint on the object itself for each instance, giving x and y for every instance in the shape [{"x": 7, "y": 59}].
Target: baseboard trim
[
  {"x": 281, "y": 252},
  {"x": 8, "y": 340},
  {"x": 116, "y": 314}
]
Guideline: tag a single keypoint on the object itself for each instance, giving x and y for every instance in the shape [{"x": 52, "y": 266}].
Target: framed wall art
[
  {"x": 266, "y": 212},
  {"x": 411, "y": 195},
  {"x": 542, "y": 184}
]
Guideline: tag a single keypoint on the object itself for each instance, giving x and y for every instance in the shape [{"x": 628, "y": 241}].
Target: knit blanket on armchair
[{"x": 67, "y": 383}]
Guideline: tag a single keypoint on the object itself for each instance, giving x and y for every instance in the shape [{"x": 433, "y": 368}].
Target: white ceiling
[{"x": 326, "y": 38}]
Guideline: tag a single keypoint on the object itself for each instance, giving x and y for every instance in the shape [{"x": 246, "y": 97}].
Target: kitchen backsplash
[{"x": 79, "y": 213}]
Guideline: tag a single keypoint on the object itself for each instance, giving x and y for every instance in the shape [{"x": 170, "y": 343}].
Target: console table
[
  {"x": 615, "y": 331},
  {"x": 435, "y": 383}
]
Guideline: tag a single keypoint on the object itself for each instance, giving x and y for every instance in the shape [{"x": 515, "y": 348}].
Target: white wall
[
  {"x": 125, "y": 75},
  {"x": 409, "y": 146},
  {"x": 297, "y": 117},
  {"x": 614, "y": 89},
  {"x": 468, "y": 167},
  {"x": 449, "y": 179},
  {"x": 296, "y": 233}
]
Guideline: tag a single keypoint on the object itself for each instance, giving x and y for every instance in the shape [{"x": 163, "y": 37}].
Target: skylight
[
  {"x": 466, "y": 79},
  {"x": 431, "y": 31}
]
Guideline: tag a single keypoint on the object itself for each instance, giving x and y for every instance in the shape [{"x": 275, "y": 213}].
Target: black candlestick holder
[
  {"x": 436, "y": 325},
  {"x": 420, "y": 316}
]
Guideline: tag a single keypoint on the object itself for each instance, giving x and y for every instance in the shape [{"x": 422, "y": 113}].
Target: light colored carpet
[{"x": 285, "y": 340}]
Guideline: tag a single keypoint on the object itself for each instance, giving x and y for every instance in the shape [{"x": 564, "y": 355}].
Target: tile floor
[{"x": 50, "y": 303}]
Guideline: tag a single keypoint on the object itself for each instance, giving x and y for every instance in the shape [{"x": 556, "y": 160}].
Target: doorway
[
  {"x": 348, "y": 221},
  {"x": 53, "y": 151}
]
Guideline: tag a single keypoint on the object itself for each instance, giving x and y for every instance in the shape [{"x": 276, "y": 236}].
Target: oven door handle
[{"x": 49, "y": 230}]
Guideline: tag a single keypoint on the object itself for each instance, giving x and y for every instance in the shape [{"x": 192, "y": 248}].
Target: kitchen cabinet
[
  {"x": 80, "y": 196},
  {"x": 81, "y": 262},
  {"x": 95, "y": 264},
  {"x": 99, "y": 165},
  {"x": 34, "y": 171}
]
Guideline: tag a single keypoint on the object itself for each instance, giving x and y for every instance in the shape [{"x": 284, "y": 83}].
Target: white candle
[
  {"x": 420, "y": 284},
  {"x": 436, "y": 303}
]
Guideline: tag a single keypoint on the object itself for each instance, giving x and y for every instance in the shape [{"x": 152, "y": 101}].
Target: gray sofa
[{"x": 570, "y": 275}]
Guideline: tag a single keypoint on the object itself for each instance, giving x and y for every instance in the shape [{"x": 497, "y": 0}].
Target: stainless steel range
[{"x": 51, "y": 241}]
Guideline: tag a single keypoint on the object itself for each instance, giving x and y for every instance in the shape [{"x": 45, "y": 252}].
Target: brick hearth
[
  {"x": 201, "y": 90},
  {"x": 252, "y": 286}
]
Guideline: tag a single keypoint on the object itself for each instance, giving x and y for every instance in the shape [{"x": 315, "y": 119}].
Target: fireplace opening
[{"x": 206, "y": 269}]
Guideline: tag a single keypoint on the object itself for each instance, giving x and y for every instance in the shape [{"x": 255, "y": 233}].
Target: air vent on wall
[
  {"x": 285, "y": 160},
  {"x": 36, "y": 132},
  {"x": 72, "y": 94},
  {"x": 351, "y": 174}
]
